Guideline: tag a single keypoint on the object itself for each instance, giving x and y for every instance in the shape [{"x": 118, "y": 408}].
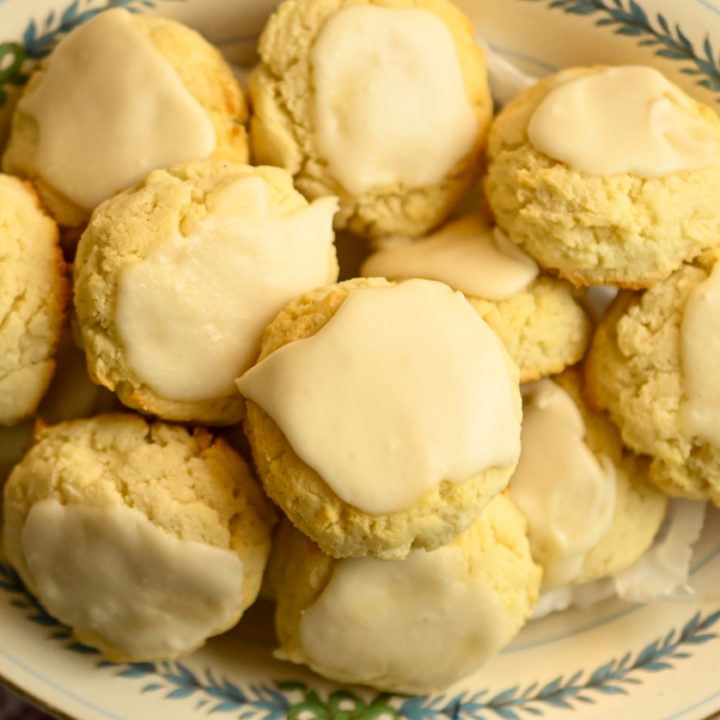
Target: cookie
[
  {"x": 651, "y": 366},
  {"x": 176, "y": 278},
  {"x": 33, "y": 294},
  {"x": 413, "y": 625},
  {"x": 385, "y": 105},
  {"x": 382, "y": 417},
  {"x": 606, "y": 175},
  {"x": 119, "y": 96},
  {"x": 537, "y": 317},
  {"x": 590, "y": 510},
  {"x": 145, "y": 539}
]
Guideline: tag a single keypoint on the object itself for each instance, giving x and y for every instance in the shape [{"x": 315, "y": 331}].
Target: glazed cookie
[
  {"x": 589, "y": 509},
  {"x": 607, "y": 175},
  {"x": 382, "y": 417},
  {"x": 176, "y": 278},
  {"x": 384, "y": 104},
  {"x": 413, "y": 625},
  {"x": 33, "y": 294},
  {"x": 653, "y": 367},
  {"x": 144, "y": 539},
  {"x": 542, "y": 326},
  {"x": 119, "y": 96}
]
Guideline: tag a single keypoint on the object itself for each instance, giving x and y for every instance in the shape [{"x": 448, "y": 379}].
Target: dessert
[
  {"x": 542, "y": 326},
  {"x": 418, "y": 397},
  {"x": 606, "y": 175},
  {"x": 33, "y": 294},
  {"x": 119, "y": 96},
  {"x": 412, "y": 625},
  {"x": 176, "y": 278},
  {"x": 144, "y": 539},
  {"x": 590, "y": 512},
  {"x": 384, "y": 105},
  {"x": 653, "y": 367}
]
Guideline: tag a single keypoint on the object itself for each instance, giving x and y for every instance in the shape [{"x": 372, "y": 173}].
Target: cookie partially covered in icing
[
  {"x": 606, "y": 175},
  {"x": 382, "y": 417},
  {"x": 385, "y": 105},
  {"x": 119, "y": 96},
  {"x": 413, "y": 625},
  {"x": 176, "y": 279},
  {"x": 145, "y": 539},
  {"x": 653, "y": 366}
]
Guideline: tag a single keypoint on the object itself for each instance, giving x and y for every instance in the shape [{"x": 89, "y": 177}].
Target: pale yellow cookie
[
  {"x": 144, "y": 538},
  {"x": 639, "y": 508},
  {"x": 620, "y": 229},
  {"x": 635, "y": 371},
  {"x": 202, "y": 72},
  {"x": 340, "y": 528},
  {"x": 176, "y": 278},
  {"x": 318, "y": 100},
  {"x": 354, "y": 620},
  {"x": 33, "y": 294}
]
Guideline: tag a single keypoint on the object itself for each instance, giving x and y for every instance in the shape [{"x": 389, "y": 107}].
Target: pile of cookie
[{"x": 413, "y": 497}]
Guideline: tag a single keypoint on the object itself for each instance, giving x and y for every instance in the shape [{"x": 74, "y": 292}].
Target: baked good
[
  {"x": 606, "y": 175},
  {"x": 413, "y": 625},
  {"x": 349, "y": 99},
  {"x": 33, "y": 294},
  {"x": 119, "y": 96},
  {"x": 145, "y": 539},
  {"x": 382, "y": 417},
  {"x": 176, "y": 278},
  {"x": 537, "y": 317},
  {"x": 652, "y": 366},
  {"x": 590, "y": 510}
]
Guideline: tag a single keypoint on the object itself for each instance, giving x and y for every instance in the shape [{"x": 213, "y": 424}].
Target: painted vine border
[
  {"x": 298, "y": 701},
  {"x": 627, "y": 17}
]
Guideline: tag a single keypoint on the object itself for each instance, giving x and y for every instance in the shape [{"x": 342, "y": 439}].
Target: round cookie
[
  {"x": 176, "y": 278},
  {"x": 33, "y": 293},
  {"x": 201, "y": 73},
  {"x": 341, "y": 528},
  {"x": 340, "y": 130},
  {"x": 164, "y": 532},
  {"x": 596, "y": 514},
  {"x": 543, "y": 327},
  {"x": 635, "y": 371},
  {"x": 622, "y": 228},
  {"x": 412, "y": 625}
]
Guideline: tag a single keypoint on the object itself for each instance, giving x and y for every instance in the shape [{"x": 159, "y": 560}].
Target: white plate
[{"x": 613, "y": 661}]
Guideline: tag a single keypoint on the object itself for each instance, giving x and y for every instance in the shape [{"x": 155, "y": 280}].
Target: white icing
[
  {"x": 112, "y": 572},
  {"x": 191, "y": 314},
  {"x": 700, "y": 358},
  {"x": 409, "y": 384},
  {"x": 418, "y": 623},
  {"x": 109, "y": 109},
  {"x": 466, "y": 254},
  {"x": 387, "y": 84},
  {"x": 626, "y": 119},
  {"x": 564, "y": 491}
]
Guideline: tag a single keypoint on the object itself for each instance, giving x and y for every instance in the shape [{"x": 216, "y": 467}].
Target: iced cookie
[
  {"x": 607, "y": 175},
  {"x": 119, "y": 96},
  {"x": 33, "y": 294},
  {"x": 176, "y": 279},
  {"x": 385, "y": 105},
  {"x": 542, "y": 326},
  {"x": 382, "y": 417},
  {"x": 653, "y": 365},
  {"x": 144, "y": 539},
  {"x": 413, "y": 625},
  {"x": 589, "y": 509}
]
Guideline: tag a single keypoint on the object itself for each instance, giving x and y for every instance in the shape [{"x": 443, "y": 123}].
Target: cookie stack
[{"x": 424, "y": 497}]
